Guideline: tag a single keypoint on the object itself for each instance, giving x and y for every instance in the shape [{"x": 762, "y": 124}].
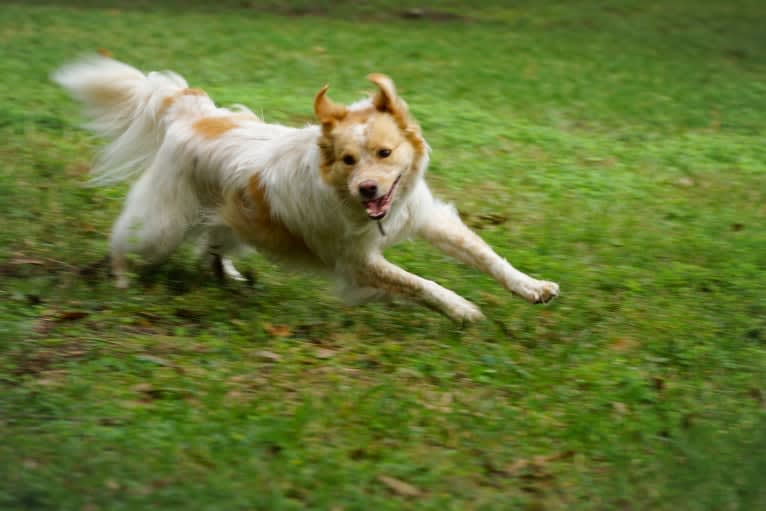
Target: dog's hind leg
[
  {"x": 152, "y": 225},
  {"x": 446, "y": 231},
  {"x": 221, "y": 240}
]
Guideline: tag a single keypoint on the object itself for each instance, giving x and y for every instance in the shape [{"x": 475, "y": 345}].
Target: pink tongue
[{"x": 375, "y": 207}]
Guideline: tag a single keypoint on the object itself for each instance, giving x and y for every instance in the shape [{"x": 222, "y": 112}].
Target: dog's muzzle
[{"x": 378, "y": 208}]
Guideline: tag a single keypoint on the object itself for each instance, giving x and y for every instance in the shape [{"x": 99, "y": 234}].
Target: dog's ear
[
  {"x": 325, "y": 110},
  {"x": 385, "y": 99}
]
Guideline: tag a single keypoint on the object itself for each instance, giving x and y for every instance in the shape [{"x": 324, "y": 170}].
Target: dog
[{"x": 329, "y": 197}]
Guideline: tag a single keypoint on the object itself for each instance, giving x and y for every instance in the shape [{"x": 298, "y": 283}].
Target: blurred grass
[{"x": 615, "y": 147}]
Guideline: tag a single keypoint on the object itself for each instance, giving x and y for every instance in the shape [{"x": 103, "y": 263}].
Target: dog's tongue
[{"x": 376, "y": 208}]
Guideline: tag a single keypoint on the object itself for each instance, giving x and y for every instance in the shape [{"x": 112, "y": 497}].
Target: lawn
[{"x": 614, "y": 147}]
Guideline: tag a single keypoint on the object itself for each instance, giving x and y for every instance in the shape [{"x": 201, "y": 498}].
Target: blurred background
[{"x": 615, "y": 147}]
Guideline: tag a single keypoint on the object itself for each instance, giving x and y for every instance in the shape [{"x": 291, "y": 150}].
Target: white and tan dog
[{"x": 329, "y": 197}]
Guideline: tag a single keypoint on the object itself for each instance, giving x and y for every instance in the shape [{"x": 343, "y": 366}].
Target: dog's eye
[
  {"x": 349, "y": 160},
  {"x": 384, "y": 153}
]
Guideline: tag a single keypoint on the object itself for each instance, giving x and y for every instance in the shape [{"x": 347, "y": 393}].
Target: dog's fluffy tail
[{"x": 123, "y": 105}]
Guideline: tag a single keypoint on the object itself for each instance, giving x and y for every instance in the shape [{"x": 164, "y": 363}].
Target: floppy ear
[
  {"x": 325, "y": 110},
  {"x": 386, "y": 100}
]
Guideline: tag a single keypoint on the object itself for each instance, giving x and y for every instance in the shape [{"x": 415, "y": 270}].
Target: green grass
[{"x": 614, "y": 147}]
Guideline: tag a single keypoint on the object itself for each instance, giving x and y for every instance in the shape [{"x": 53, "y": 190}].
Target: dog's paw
[
  {"x": 451, "y": 304},
  {"x": 465, "y": 312},
  {"x": 539, "y": 291}
]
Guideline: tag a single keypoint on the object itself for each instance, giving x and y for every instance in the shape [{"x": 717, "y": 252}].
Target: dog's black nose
[{"x": 368, "y": 189}]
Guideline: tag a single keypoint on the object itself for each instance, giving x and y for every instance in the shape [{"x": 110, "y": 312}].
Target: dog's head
[{"x": 372, "y": 151}]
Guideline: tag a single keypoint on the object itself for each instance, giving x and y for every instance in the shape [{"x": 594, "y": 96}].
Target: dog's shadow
[{"x": 178, "y": 277}]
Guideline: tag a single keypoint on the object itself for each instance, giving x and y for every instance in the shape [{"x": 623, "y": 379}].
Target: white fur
[{"x": 183, "y": 178}]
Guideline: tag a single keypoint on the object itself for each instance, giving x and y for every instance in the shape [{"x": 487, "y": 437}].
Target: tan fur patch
[
  {"x": 108, "y": 94},
  {"x": 249, "y": 214},
  {"x": 193, "y": 92},
  {"x": 213, "y": 127},
  {"x": 168, "y": 101}
]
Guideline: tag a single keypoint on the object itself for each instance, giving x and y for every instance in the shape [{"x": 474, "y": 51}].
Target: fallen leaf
[
  {"x": 277, "y": 330},
  {"x": 620, "y": 408},
  {"x": 44, "y": 325},
  {"x": 534, "y": 468},
  {"x": 516, "y": 467},
  {"x": 26, "y": 260},
  {"x": 493, "y": 219},
  {"x": 51, "y": 378},
  {"x": 142, "y": 388},
  {"x": 558, "y": 456},
  {"x": 324, "y": 353},
  {"x": 236, "y": 396},
  {"x": 623, "y": 344},
  {"x": 78, "y": 169},
  {"x": 268, "y": 355},
  {"x": 71, "y": 315},
  {"x": 400, "y": 487}
]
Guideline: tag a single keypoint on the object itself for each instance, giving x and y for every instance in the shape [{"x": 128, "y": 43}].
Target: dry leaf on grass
[
  {"x": 26, "y": 260},
  {"x": 324, "y": 353},
  {"x": 623, "y": 344},
  {"x": 277, "y": 330},
  {"x": 49, "y": 318},
  {"x": 142, "y": 388},
  {"x": 71, "y": 315},
  {"x": 536, "y": 465},
  {"x": 399, "y": 487},
  {"x": 268, "y": 355},
  {"x": 620, "y": 408}
]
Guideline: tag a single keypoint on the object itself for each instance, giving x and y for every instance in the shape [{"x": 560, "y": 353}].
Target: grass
[{"x": 615, "y": 147}]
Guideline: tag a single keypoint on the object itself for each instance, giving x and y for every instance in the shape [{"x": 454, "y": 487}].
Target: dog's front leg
[
  {"x": 378, "y": 273},
  {"x": 446, "y": 231}
]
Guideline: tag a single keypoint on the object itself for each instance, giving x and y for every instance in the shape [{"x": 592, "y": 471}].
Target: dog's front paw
[
  {"x": 539, "y": 291},
  {"x": 465, "y": 312},
  {"x": 451, "y": 304}
]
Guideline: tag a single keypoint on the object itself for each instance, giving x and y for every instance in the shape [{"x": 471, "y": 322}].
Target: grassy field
[{"x": 614, "y": 147}]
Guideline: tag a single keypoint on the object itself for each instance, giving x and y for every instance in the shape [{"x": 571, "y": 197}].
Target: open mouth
[{"x": 377, "y": 208}]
